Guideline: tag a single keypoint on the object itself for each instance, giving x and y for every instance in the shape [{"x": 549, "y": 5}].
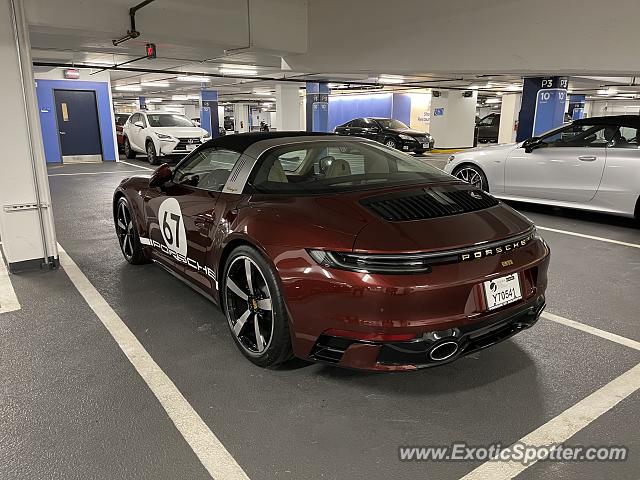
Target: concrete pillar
[
  {"x": 453, "y": 118},
  {"x": 576, "y": 106},
  {"x": 287, "y": 108},
  {"x": 317, "y": 107},
  {"x": 241, "y": 115},
  {"x": 509, "y": 111},
  {"x": 209, "y": 112},
  {"x": 26, "y": 220}
]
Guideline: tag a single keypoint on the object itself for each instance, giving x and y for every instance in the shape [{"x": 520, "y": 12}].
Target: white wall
[
  {"x": 456, "y": 127},
  {"x": 287, "y": 107},
  {"x": 603, "y": 108},
  {"x": 420, "y": 111}
]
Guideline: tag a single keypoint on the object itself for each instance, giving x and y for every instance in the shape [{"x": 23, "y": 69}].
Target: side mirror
[
  {"x": 531, "y": 144},
  {"x": 161, "y": 176},
  {"x": 139, "y": 124}
]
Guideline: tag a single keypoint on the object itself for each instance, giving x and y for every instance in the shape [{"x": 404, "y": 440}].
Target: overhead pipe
[{"x": 132, "y": 32}]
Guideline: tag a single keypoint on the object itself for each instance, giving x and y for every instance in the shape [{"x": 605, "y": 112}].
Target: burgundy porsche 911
[{"x": 337, "y": 250}]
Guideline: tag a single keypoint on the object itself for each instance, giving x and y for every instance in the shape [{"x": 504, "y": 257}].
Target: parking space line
[
  {"x": 590, "y": 237},
  {"x": 90, "y": 173},
  {"x": 627, "y": 342},
  {"x": 134, "y": 165},
  {"x": 209, "y": 450},
  {"x": 8, "y": 300},
  {"x": 565, "y": 425}
]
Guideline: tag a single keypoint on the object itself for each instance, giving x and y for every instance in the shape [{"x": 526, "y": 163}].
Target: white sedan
[
  {"x": 161, "y": 133},
  {"x": 589, "y": 164}
]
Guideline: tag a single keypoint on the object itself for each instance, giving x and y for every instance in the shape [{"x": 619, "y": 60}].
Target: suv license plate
[{"x": 502, "y": 291}]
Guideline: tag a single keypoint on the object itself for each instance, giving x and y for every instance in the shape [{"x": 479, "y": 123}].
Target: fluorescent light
[
  {"x": 128, "y": 88},
  {"x": 607, "y": 91},
  {"x": 393, "y": 79},
  {"x": 492, "y": 100},
  {"x": 474, "y": 87},
  {"x": 179, "y": 97},
  {"x": 514, "y": 88},
  {"x": 155, "y": 84},
  {"x": 238, "y": 71},
  {"x": 257, "y": 92},
  {"x": 153, "y": 100},
  {"x": 193, "y": 97},
  {"x": 193, "y": 78}
]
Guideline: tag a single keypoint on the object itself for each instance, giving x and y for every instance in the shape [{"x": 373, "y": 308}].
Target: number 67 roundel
[{"x": 172, "y": 226}]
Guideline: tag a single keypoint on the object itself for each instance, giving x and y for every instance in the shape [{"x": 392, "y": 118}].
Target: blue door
[{"x": 78, "y": 125}]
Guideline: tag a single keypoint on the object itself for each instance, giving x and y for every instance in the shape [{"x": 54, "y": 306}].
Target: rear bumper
[{"x": 416, "y": 354}]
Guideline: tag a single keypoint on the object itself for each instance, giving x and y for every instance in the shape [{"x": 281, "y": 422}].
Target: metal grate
[{"x": 428, "y": 203}]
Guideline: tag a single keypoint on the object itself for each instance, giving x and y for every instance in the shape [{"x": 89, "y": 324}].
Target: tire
[
  {"x": 151, "y": 153},
  {"x": 128, "y": 151},
  {"x": 391, "y": 143},
  {"x": 473, "y": 175},
  {"x": 243, "y": 302},
  {"x": 127, "y": 232}
]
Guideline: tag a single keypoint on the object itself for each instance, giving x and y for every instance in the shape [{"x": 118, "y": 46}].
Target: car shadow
[{"x": 573, "y": 214}]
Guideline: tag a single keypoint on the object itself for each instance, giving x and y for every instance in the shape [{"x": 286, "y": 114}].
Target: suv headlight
[
  {"x": 162, "y": 136},
  {"x": 370, "y": 263},
  {"x": 206, "y": 136},
  {"x": 407, "y": 137}
]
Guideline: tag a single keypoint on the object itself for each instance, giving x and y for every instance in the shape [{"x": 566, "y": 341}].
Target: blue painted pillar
[
  {"x": 543, "y": 103},
  {"x": 317, "y": 107},
  {"x": 576, "y": 106},
  {"x": 143, "y": 102},
  {"x": 209, "y": 112}
]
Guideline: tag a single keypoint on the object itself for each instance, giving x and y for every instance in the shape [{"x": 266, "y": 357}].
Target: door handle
[{"x": 587, "y": 158}]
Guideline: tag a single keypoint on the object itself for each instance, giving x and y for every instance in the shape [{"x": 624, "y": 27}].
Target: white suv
[{"x": 161, "y": 133}]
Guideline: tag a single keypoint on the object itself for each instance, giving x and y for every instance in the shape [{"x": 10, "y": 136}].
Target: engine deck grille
[{"x": 425, "y": 203}]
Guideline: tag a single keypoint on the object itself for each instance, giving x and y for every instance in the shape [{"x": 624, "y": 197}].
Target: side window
[
  {"x": 207, "y": 169},
  {"x": 597, "y": 136},
  {"x": 143, "y": 119},
  {"x": 134, "y": 118},
  {"x": 358, "y": 123},
  {"x": 291, "y": 161},
  {"x": 495, "y": 121},
  {"x": 627, "y": 138},
  {"x": 486, "y": 121}
]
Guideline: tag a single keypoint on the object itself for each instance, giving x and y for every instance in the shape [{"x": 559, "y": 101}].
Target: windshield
[
  {"x": 391, "y": 123},
  {"x": 168, "y": 120},
  {"x": 338, "y": 166}
]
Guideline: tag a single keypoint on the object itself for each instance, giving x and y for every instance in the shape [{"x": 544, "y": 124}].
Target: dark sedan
[{"x": 393, "y": 133}]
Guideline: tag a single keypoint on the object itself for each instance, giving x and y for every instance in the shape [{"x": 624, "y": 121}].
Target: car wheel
[
  {"x": 128, "y": 151},
  {"x": 473, "y": 175},
  {"x": 255, "y": 310},
  {"x": 128, "y": 234},
  {"x": 390, "y": 142},
  {"x": 151, "y": 153}
]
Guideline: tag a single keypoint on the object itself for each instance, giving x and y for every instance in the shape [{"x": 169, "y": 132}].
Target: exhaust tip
[{"x": 443, "y": 351}]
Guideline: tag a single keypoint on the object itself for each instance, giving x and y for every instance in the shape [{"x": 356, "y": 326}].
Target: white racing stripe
[
  {"x": 134, "y": 165},
  {"x": 90, "y": 173},
  {"x": 209, "y": 450},
  {"x": 590, "y": 237},
  {"x": 627, "y": 342},
  {"x": 8, "y": 300},
  {"x": 565, "y": 425}
]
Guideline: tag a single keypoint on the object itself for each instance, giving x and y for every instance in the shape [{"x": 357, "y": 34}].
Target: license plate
[
  {"x": 191, "y": 147},
  {"x": 425, "y": 145},
  {"x": 502, "y": 291}
]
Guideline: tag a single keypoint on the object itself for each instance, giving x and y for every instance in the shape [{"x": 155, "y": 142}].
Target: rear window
[{"x": 335, "y": 166}]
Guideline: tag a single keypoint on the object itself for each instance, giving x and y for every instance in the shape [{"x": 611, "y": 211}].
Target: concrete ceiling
[{"x": 489, "y": 45}]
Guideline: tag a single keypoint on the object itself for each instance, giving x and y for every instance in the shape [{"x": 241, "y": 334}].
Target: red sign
[{"x": 72, "y": 73}]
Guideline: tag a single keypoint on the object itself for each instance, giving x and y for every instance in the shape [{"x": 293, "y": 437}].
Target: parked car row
[{"x": 392, "y": 133}]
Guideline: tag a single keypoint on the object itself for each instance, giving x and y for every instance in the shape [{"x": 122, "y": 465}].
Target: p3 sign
[{"x": 172, "y": 228}]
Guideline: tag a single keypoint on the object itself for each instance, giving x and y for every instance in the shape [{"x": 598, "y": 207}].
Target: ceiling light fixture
[
  {"x": 155, "y": 84},
  {"x": 193, "y": 78},
  {"x": 492, "y": 100},
  {"x": 390, "y": 79},
  {"x": 266, "y": 94},
  {"x": 607, "y": 92},
  {"x": 238, "y": 71},
  {"x": 179, "y": 97},
  {"x": 128, "y": 88},
  {"x": 153, "y": 100}
]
